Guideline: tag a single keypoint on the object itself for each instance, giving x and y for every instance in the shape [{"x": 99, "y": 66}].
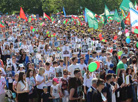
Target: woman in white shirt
[
  {"x": 6, "y": 52},
  {"x": 22, "y": 88},
  {"x": 88, "y": 76},
  {"x": 40, "y": 82}
]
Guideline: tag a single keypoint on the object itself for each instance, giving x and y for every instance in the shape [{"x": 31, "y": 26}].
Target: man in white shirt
[
  {"x": 48, "y": 74},
  {"x": 73, "y": 66},
  {"x": 61, "y": 67},
  {"x": 83, "y": 66},
  {"x": 103, "y": 58}
]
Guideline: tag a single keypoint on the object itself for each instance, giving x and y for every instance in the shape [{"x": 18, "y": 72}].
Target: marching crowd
[{"x": 49, "y": 62}]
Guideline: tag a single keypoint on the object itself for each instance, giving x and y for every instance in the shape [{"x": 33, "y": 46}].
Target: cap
[
  {"x": 111, "y": 65},
  {"x": 44, "y": 87},
  {"x": 55, "y": 80},
  {"x": 132, "y": 53},
  {"x": 21, "y": 65}
]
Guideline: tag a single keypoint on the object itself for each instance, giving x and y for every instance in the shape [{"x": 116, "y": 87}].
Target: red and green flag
[
  {"x": 1, "y": 25},
  {"x": 46, "y": 16}
]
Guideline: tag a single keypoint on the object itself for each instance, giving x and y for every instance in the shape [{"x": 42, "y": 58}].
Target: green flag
[
  {"x": 122, "y": 25},
  {"x": 135, "y": 3},
  {"x": 105, "y": 19},
  {"x": 116, "y": 16},
  {"x": 126, "y": 4},
  {"x": 92, "y": 21},
  {"x": 106, "y": 11}
]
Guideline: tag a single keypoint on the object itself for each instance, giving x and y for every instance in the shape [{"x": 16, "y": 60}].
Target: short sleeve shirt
[{"x": 120, "y": 65}]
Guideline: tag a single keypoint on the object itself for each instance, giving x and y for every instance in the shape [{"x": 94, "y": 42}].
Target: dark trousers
[
  {"x": 23, "y": 97},
  {"x": 39, "y": 92},
  {"x": 86, "y": 94},
  {"x": 50, "y": 100}
]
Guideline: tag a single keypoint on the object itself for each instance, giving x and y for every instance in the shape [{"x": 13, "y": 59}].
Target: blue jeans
[{"x": 56, "y": 100}]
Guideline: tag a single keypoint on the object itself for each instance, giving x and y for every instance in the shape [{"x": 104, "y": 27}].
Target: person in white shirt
[
  {"x": 94, "y": 56},
  {"x": 22, "y": 88},
  {"x": 24, "y": 46},
  {"x": 49, "y": 75},
  {"x": 88, "y": 76},
  {"x": 83, "y": 66},
  {"x": 41, "y": 46},
  {"x": 103, "y": 58},
  {"x": 21, "y": 68},
  {"x": 40, "y": 82},
  {"x": 73, "y": 66},
  {"x": 14, "y": 65},
  {"x": 52, "y": 68},
  {"x": 59, "y": 69}
]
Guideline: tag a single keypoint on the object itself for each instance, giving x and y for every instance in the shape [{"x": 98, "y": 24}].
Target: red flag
[
  {"x": 46, "y": 16},
  {"x": 127, "y": 21},
  {"x": 22, "y": 14},
  {"x": 1, "y": 26}
]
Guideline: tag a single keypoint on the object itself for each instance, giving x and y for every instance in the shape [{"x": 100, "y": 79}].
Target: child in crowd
[
  {"x": 9, "y": 77},
  {"x": 55, "y": 90},
  {"x": 45, "y": 95},
  {"x": 111, "y": 69}
]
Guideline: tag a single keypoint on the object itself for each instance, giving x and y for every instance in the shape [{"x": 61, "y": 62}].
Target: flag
[
  {"x": 136, "y": 6},
  {"x": 106, "y": 11},
  {"x": 126, "y": 4},
  {"x": 1, "y": 25},
  {"x": 46, "y": 16},
  {"x": 116, "y": 16},
  {"x": 122, "y": 25},
  {"x": 123, "y": 14},
  {"x": 105, "y": 19},
  {"x": 76, "y": 18},
  {"x": 22, "y": 14},
  {"x": 134, "y": 20},
  {"x": 64, "y": 11},
  {"x": 127, "y": 21},
  {"x": 85, "y": 16},
  {"x": 92, "y": 21}
]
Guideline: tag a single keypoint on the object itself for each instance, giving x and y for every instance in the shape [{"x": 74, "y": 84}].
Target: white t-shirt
[
  {"x": 83, "y": 68},
  {"x": 20, "y": 71},
  {"x": 40, "y": 78},
  {"x": 55, "y": 92},
  {"x": 49, "y": 75},
  {"x": 23, "y": 86},
  {"x": 71, "y": 69},
  {"x": 88, "y": 82},
  {"x": 59, "y": 71}
]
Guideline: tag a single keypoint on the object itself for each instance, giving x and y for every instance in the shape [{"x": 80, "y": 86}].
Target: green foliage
[{"x": 53, "y": 6}]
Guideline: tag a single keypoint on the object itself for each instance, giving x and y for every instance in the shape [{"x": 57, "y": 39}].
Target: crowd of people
[{"x": 47, "y": 61}]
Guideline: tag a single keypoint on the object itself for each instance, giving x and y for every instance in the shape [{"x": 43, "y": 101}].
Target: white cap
[{"x": 21, "y": 65}]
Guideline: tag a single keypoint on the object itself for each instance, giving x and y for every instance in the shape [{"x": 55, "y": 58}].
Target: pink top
[
  {"x": 2, "y": 84},
  {"x": 15, "y": 84}
]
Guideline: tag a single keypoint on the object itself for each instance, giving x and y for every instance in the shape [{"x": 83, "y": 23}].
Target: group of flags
[
  {"x": 91, "y": 18},
  {"x": 126, "y": 6}
]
